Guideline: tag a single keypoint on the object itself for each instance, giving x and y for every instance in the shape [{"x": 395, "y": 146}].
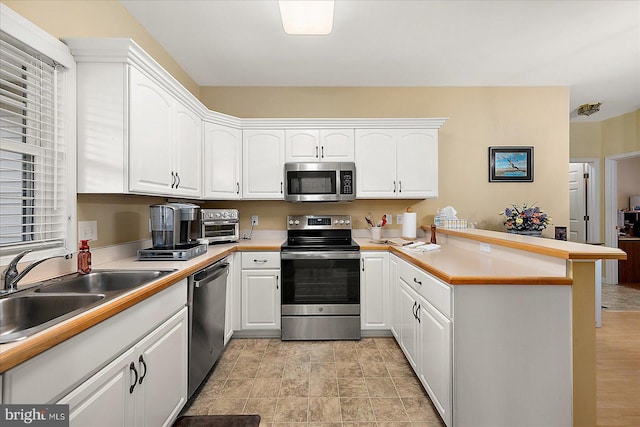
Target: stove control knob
[
  {"x": 290, "y": 222},
  {"x": 217, "y": 214},
  {"x": 346, "y": 221},
  {"x": 225, "y": 214},
  {"x": 341, "y": 221},
  {"x": 297, "y": 222},
  {"x": 335, "y": 221}
]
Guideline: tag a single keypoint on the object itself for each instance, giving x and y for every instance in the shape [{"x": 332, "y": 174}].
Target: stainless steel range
[{"x": 320, "y": 265}]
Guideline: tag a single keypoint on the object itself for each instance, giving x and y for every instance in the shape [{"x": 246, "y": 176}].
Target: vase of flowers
[{"x": 526, "y": 219}]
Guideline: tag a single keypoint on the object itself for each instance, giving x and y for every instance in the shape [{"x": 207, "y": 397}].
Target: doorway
[{"x": 611, "y": 209}]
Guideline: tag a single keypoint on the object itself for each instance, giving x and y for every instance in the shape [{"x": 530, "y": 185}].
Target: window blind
[{"x": 33, "y": 193}]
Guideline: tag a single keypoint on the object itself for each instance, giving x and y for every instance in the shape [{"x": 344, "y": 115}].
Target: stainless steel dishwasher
[{"x": 206, "y": 301}]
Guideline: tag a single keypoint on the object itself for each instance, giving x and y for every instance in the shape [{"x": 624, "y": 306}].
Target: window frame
[{"x": 34, "y": 37}]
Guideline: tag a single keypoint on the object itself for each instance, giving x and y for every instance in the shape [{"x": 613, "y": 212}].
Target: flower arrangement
[{"x": 525, "y": 218}]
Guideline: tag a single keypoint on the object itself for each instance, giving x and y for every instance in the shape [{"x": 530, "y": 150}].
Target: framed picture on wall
[{"x": 510, "y": 164}]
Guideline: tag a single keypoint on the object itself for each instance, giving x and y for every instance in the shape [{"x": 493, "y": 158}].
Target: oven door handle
[{"x": 320, "y": 255}]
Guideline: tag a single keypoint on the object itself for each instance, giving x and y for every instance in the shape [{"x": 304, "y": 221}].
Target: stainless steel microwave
[{"x": 320, "y": 182}]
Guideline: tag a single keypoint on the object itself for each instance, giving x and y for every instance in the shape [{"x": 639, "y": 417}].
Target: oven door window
[
  {"x": 218, "y": 230},
  {"x": 311, "y": 182},
  {"x": 320, "y": 281}
]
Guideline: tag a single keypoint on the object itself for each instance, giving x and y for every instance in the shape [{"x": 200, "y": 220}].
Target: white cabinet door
[
  {"x": 187, "y": 152},
  {"x": 260, "y": 299},
  {"x": 263, "y": 164},
  {"x": 222, "y": 162},
  {"x": 151, "y": 139},
  {"x": 435, "y": 357},
  {"x": 230, "y": 308},
  {"x": 337, "y": 145},
  {"x": 417, "y": 163},
  {"x": 394, "y": 295},
  {"x": 162, "y": 367},
  {"x": 374, "y": 290},
  {"x": 375, "y": 163},
  {"x": 105, "y": 399},
  {"x": 409, "y": 324},
  {"x": 302, "y": 145}
]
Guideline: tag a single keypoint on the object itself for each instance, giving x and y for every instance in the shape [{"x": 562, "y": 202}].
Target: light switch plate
[
  {"x": 87, "y": 230},
  {"x": 399, "y": 219},
  {"x": 254, "y": 219}
]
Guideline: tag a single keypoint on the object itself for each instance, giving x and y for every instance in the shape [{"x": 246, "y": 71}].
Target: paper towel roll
[{"x": 409, "y": 225}]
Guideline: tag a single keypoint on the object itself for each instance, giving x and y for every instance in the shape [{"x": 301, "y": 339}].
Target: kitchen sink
[
  {"x": 101, "y": 281},
  {"x": 21, "y": 316},
  {"x": 28, "y": 311}
]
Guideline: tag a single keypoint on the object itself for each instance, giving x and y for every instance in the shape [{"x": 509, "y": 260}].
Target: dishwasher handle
[{"x": 210, "y": 274}]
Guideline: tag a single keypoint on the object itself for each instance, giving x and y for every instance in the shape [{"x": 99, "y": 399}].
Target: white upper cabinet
[
  {"x": 165, "y": 141},
  {"x": 319, "y": 145},
  {"x": 396, "y": 163},
  {"x": 222, "y": 162},
  {"x": 263, "y": 164}
]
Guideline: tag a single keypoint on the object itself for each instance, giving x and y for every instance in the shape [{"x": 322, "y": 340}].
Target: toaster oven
[{"x": 220, "y": 225}]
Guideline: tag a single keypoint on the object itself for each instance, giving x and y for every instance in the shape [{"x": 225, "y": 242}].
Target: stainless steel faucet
[{"x": 10, "y": 275}]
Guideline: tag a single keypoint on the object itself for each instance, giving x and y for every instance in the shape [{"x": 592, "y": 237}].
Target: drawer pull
[
  {"x": 417, "y": 281},
  {"x": 260, "y": 261}
]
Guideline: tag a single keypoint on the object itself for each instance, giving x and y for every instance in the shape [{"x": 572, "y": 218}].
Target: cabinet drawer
[
  {"x": 260, "y": 260},
  {"x": 432, "y": 289}
]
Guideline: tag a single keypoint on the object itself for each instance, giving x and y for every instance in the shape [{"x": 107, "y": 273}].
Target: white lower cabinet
[
  {"x": 261, "y": 290},
  {"x": 146, "y": 385},
  {"x": 394, "y": 297},
  {"x": 374, "y": 290},
  {"x": 423, "y": 332}
]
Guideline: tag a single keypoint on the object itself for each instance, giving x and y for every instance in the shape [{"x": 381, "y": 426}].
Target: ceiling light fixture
[
  {"x": 307, "y": 17},
  {"x": 589, "y": 109}
]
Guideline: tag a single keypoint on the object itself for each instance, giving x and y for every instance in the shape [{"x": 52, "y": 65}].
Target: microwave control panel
[{"x": 346, "y": 182}]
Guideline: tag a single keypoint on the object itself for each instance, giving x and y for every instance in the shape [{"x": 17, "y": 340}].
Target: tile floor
[{"x": 366, "y": 383}]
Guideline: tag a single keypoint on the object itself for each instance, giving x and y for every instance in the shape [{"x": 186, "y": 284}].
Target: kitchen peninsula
[{"x": 520, "y": 311}]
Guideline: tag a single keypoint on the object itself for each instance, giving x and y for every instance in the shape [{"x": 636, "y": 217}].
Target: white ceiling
[{"x": 591, "y": 46}]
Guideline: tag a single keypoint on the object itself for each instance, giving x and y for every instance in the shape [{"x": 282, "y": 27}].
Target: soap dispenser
[{"x": 84, "y": 258}]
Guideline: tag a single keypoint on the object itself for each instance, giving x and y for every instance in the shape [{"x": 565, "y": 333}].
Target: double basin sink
[{"x": 26, "y": 312}]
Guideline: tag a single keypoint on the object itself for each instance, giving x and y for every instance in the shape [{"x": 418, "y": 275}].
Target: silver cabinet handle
[
  {"x": 281, "y": 188},
  {"x": 418, "y": 313},
  {"x": 173, "y": 180},
  {"x": 394, "y": 186},
  {"x": 260, "y": 261},
  {"x": 400, "y": 182},
  {"x": 362, "y": 262},
  {"x": 316, "y": 151},
  {"x": 178, "y": 177},
  {"x": 413, "y": 310},
  {"x": 237, "y": 188},
  {"x": 323, "y": 151},
  {"x": 417, "y": 281},
  {"x": 277, "y": 282}
]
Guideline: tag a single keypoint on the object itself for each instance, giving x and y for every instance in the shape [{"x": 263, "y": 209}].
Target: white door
[
  {"x": 374, "y": 290},
  {"x": 188, "y": 152},
  {"x": 107, "y": 398},
  {"x": 337, "y": 145},
  {"x": 260, "y": 299},
  {"x": 263, "y": 164},
  {"x": 375, "y": 154},
  {"x": 408, "y": 324},
  {"x": 417, "y": 163},
  {"x": 222, "y": 162},
  {"x": 151, "y": 139},
  {"x": 162, "y": 366},
  {"x": 577, "y": 203},
  {"x": 435, "y": 357},
  {"x": 302, "y": 146}
]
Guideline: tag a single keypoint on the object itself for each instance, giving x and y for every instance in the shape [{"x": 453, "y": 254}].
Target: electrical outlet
[
  {"x": 87, "y": 230},
  {"x": 254, "y": 219},
  {"x": 399, "y": 219},
  {"x": 485, "y": 247},
  {"x": 389, "y": 219}
]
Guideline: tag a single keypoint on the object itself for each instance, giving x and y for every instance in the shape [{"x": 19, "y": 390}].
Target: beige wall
[
  {"x": 97, "y": 18},
  {"x": 479, "y": 117}
]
